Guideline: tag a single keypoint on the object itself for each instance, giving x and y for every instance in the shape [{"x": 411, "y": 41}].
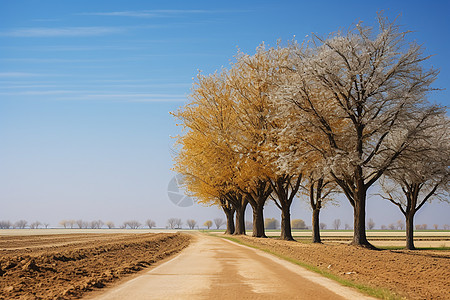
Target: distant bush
[
  {"x": 271, "y": 223},
  {"x": 298, "y": 224}
]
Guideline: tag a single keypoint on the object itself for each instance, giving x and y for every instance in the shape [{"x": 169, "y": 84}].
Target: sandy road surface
[{"x": 214, "y": 268}]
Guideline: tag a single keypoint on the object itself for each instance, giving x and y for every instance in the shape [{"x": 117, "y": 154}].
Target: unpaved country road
[{"x": 215, "y": 268}]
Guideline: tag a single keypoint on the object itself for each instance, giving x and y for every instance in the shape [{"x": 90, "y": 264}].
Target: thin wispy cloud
[
  {"x": 17, "y": 74},
  {"x": 37, "y": 93},
  {"x": 63, "y": 31},
  {"x": 86, "y": 95},
  {"x": 147, "y": 13},
  {"x": 130, "y": 97}
]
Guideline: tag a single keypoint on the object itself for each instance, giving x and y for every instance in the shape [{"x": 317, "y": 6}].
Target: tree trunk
[
  {"x": 240, "y": 219},
  {"x": 316, "y": 226},
  {"x": 258, "y": 221},
  {"x": 359, "y": 214},
  {"x": 410, "y": 231},
  {"x": 359, "y": 222},
  {"x": 286, "y": 232},
  {"x": 229, "y": 213}
]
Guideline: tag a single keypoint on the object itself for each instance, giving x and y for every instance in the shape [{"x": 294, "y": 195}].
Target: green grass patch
[{"x": 368, "y": 290}]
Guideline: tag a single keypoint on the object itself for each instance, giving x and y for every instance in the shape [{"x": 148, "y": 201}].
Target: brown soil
[
  {"x": 411, "y": 274},
  {"x": 68, "y": 266}
]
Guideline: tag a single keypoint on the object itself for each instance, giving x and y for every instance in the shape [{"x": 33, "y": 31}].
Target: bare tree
[
  {"x": 347, "y": 226},
  {"x": 46, "y": 225},
  {"x": 323, "y": 226},
  {"x": 71, "y": 223},
  {"x": 80, "y": 224},
  {"x": 421, "y": 173},
  {"x": 400, "y": 225},
  {"x": 110, "y": 224},
  {"x": 21, "y": 224},
  {"x": 392, "y": 226},
  {"x": 5, "y": 224},
  {"x": 446, "y": 227},
  {"x": 96, "y": 224},
  {"x": 150, "y": 223},
  {"x": 320, "y": 188},
  {"x": 178, "y": 223},
  {"x": 336, "y": 224},
  {"x": 370, "y": 224},
  {"x": 208, "y": 224},
  {"x": 64, "y": 223},
  {"x": 219, "y": 222},
  {"x": 35, "y": 225},
  {"x": 172, "y": 223},
  {"x": 344, "y": 80},
  {"x": 191, "y": 223},
  {"x": 133, "y": 224},
  {"x": 383, "y": 227},
  {"x": 436, "y": 226}
]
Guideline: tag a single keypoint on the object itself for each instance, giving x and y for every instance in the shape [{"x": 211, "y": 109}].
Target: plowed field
[
  {"x": 421, "y": 274},
  {"x": 68, "y": 266}
]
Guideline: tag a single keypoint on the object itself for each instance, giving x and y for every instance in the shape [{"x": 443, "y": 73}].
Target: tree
[
  {"x": 249, "y": 225},
  {"x": 347, "y": 226},
  {"x": 71, "y": 223},
  {"x": 96, "y": 224},
  {"x": 356, "y": 89},
  {"x": 219, "y": 222},
  {"x": 150, "y": 223},
  {"x": 178, "y": 223},
  {"x": 298, "y": 224},
  {"x": 319, "y": 187},
  {"x": 80, "y": 224},
  {"x": 421, "y": 173},
  {"x": 109, "y": 224},
  {"x": 370, "y": 224},
  {"x": 5, "y": 224},
  {"x": 383, "y": 227},
  {"x": 35, "y": 225},
  {"x": 323, "y": 226},
  {"x": 271, "y": 223},
  {"x": 206, "y": 159},
  {"x": 172, "y": 223},
  {"x": 191, "y": 223},
  {"x": 64, "y": 223},
  {"x": 400, "y": 225},
  {"x": 133, "y": 224},
  {"x": 392, "y": 226},
  {"x": 436, "y": 226},
  {"x": 46, "y": 225},
  {"x": 21, "y": 224},
  {"x": 446, "y": 227},
  {"x": 336, "y": 224},
  {"x": 208, "y": 224}
]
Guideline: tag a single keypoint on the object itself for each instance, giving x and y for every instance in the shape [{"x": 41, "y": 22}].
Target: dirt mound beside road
[
  {"x": 423, "y": 274},
  {"x": 67, "y": 266}
]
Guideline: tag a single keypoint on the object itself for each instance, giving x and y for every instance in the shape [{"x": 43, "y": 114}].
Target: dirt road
[{"x": 214, "y": 268}]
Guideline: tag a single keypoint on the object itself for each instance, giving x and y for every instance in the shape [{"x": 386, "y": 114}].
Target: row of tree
[
  {"x": 333, "y": 115},
  {"x": 21, "y": 224}
]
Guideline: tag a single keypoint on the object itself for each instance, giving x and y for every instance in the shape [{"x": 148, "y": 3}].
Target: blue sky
[{"x": 86, "y": 88}]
